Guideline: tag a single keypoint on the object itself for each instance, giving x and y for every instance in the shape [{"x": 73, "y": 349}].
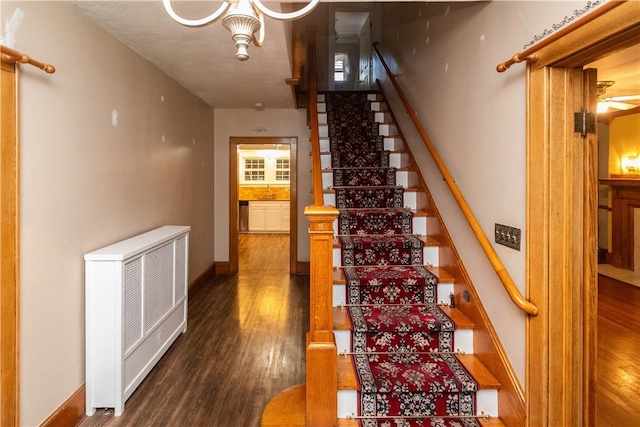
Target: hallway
[{"x": 245, "y": 343}]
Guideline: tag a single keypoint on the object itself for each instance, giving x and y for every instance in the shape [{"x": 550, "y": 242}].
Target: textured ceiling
[{"x": 202, "y": 59}]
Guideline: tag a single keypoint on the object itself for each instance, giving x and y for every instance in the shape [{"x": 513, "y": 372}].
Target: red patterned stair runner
[{"x": 401, "y": 340}]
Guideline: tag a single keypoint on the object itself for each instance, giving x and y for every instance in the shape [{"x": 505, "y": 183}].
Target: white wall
[
  {"x": 243, "y": 123},
  {"x": 444, "y": 56},
  {"x": 87, "y": 181}
]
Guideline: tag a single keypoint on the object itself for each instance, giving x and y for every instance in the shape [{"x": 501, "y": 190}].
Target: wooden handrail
[
  {"x": 512, "y": 290},
  {"x": 529, "y": 54},
  {"x": 21, "y": 57},
  {"x": 316, "y": 165}
]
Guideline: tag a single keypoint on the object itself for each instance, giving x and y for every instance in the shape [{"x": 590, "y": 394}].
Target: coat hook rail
[
  {"x": 529, "y": 54},
  {"x": 21, "y": 57}
]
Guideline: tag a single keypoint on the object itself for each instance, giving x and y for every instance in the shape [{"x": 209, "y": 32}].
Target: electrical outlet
[{"x": 508, "y": 236}]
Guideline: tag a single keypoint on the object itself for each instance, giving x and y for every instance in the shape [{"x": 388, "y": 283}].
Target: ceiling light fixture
[{"x": 243, "y": 18}]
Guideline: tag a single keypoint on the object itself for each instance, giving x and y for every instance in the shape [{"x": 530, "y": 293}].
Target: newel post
[{"x": 322, "y": 369}]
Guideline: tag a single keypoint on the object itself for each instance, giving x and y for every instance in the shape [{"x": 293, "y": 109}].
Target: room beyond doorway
[{"x": 264, "y": 188}]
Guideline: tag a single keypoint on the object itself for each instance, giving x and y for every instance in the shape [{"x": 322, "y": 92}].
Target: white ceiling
[
  {"x": 623, "y": 68},
  {"x": 202, "y": 59}
]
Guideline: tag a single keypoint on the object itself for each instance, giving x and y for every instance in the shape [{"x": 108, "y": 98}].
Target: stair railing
[
  {"x": 321, "y": 387},
  {"x": 512, "y": 290}
]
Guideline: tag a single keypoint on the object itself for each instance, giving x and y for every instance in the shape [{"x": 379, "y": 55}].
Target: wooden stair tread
[
  {"x": 341, "y": 320},
  {"x": 458, "y": 317},
  {"x": 442, "y": 274},
  {"x": 491, "y": 422},
  {"x": 480, "y": 373},
  {"x": 347, "y": 374}
]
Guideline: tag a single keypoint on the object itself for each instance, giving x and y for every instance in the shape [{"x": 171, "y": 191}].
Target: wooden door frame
[
  {"x": 233, "y": 197},
  {"x": 561, "y": 227},
  {"x": 9, "y": 249}
]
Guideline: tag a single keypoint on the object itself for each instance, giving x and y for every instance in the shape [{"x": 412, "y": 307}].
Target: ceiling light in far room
[
  {"x": 243, "y": 18},
  {"x": 258, "y": 106},
  {"x": 602, "y": 107}
]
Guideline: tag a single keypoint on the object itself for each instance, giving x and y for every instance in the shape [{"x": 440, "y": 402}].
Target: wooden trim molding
[
  {"x": 562, "y": 222},
  {"x": 304, "y": 268},
  {"x": 70, "y": 413},
  {"x": 223, "y": 268},
  {"x": 10, "y": 250},
  {"x": 200, "y": 281}
]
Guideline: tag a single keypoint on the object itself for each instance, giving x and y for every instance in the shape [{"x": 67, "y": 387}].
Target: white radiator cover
[{"x": 136, "y": 307}]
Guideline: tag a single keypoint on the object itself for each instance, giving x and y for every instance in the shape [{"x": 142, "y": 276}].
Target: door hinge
[{"x": 585, "y": 122}]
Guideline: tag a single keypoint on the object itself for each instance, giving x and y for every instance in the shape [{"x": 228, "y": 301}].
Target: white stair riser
[
  {"x": 429, "y": 256},
  {"x": 399, "y": 160},
  {"x": 386, "y": 129},
  {"x": 347, "y": 403},
  {"x": 322, "y": 118},
  {"x": 420, "y": 225},
  {"x": 323, "y": 131},
  {"x": 393, "y": 143},
  {"x": 320, "y": 97},
  {"x": 443, "y": 291},
  {"x": 382, "y": 117},
  {"x": 462, "y": 339},
  {"x": 322, "y": 107},
  {"x": 327, "y": 179},
  {"x": 415, "y": 199},
  {"x": 407, "y": 179},
  {"x": 486, "y": 402},
  {"x": 329, "y": 199},
  {"x": 379, "y": 106},
  {"x": 325, "y": 161},
  {"x": 325, "y": 145}
]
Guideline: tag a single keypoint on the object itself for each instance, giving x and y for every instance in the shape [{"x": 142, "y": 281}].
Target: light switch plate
[{"x": 508, "y": 236}]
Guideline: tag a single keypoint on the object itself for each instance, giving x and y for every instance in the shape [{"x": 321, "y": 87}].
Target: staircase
[{"x": 405, "y": 353}]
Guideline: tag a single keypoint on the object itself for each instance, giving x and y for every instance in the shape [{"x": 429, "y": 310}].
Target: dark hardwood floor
[
  {"x": 618, "y": 374},
  {"x": 244, "y": 344}
]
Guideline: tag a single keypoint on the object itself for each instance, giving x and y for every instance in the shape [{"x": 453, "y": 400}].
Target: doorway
[
  {"x": 350, "y": 50},
  {"x": 268, "y": 194},
  {"x": 562, "y": 218}
]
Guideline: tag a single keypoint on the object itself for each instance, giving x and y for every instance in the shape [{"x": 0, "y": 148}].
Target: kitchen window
[
  {"x": 254, "y": 169},
  {"x": 282, "y": 170}
]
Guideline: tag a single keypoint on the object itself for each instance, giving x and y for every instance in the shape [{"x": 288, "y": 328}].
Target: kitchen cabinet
[{"x": 269, "y": 215}]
